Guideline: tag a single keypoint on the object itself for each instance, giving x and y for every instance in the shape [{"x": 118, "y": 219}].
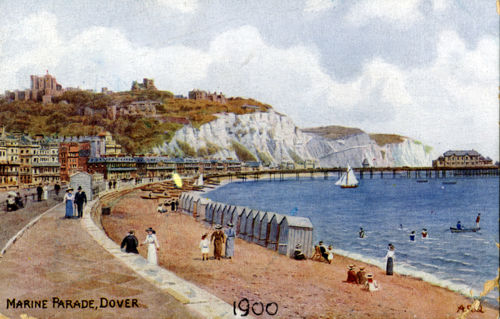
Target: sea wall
[{"x": 280, "y": 233}]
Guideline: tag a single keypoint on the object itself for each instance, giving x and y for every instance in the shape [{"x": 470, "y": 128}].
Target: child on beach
[
  {"x": 204, "y": 246},
  {"x": 330, "y": 254}
]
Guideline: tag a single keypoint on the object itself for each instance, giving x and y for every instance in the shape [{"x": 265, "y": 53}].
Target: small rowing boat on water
[
  {"x": 464, "y": 230},
  {"x": 449, "y": 182},
  {"x": 422, "y": 181}
]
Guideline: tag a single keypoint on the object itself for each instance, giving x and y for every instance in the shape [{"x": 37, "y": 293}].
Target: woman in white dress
[
  {"x": 153, "y": 245},
  {"x": 45, "y": 194}
]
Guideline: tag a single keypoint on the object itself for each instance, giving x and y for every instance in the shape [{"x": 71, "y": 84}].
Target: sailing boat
[
  {"x": 199, "y": 181},
  {"x": 348, "y": 179}
]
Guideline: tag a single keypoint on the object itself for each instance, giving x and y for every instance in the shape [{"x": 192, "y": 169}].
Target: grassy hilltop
[{"x": 137, "y": 134}]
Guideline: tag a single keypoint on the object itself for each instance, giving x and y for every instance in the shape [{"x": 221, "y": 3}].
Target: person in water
[
  {"x": 412, "y": 236},
  {"x": 361, "y": 232},
  {"x": 424, "y": 233},
  {"x": 459, "y": 225},
  {"x": 478, "y": 218}
]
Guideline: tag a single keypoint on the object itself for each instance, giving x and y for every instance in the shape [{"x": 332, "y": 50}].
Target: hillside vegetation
[
  {"x": 383, "y": 139},
  {"x": 333, "y": 132},
  {"x": 137, "y": 134}
]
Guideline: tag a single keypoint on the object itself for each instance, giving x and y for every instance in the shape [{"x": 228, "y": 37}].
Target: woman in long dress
[
  {"x": 153, "y": 246},
  {"x": 230, "y": 236},
  {"x": 45, "y": 194},
  {"x": 218, "y": 238},
  {"x": 390, "y": 260},
  {"x": 69, "y": 199}
]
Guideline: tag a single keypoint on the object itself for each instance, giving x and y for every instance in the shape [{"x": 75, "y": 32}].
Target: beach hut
[
  {"x": 243, "y": 222},
  {"x": 265, "y": 228},
  {"x": 274, "y": 232},
  {"x": 192, "y": 203},
  {"x": 217, "y": 216},
  {"x": 227, "y": 214},
  {"x": 249, "y": 224},
  {"x": 200, "y": 207},
  {"x": 236, "y": 218},
  {"x": 186, "y": 203},
  {"x": 182, "y": 198},
  {"x": 189, "y": 203},
  {"x": 208, "y": 213},
  {"x": 295, "y": 230},
  {"x": 256, "y": 226}
]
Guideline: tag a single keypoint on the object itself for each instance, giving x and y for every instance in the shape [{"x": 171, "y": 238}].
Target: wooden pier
[{"x": 363, "y": 172}]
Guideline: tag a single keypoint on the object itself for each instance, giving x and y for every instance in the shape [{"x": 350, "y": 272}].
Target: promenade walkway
[{"x": 56, "y": 259}]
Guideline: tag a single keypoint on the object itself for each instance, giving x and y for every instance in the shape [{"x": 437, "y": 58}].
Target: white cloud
[
  {"x": 401, "y": 13},
  {"x": 451, "y": 103},
  {"x": 184, "y": 6},
  {"x": 440, "y": 5},
  {"x": 318, "y": 5}
]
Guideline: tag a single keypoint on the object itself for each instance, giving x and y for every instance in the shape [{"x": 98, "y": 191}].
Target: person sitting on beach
[
  {"x": 161, "y": 209},
  {"x": 361, "y": 232},
  {"x": 130, "y": 243},
  {"x": 371, "y": 284},
  {"x": 361, "y": 275},
  {"x": 330, "y": 254},
  {"x": 412, "y": 235},
  {"x": 424, "y": 233},
  {"x": 298, "y": 254},
  {"x": 351, "y": 275},
  {"x": 322, "y": 249},
  {"x": 459, "y": 225}
]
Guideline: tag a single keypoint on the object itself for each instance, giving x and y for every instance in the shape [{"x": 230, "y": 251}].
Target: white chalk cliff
[{"x": 274, "y": 137}]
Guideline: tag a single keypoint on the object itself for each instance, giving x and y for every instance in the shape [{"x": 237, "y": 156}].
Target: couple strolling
[{"x": 130, "y": 243}]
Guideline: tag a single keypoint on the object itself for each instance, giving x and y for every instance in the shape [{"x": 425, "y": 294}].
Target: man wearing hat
[
  {"x": 351, "y": 275},
  {"x": 80, "y": 201},
  {"x": 361, "y": 275},
  {"x": 230, "y": 236},
  {"x": 130, "y": 243},
  {"x": 218, "y": 238}
]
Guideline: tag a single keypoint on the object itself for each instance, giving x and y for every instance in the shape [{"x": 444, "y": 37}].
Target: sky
[{"x": 426, "y": 69}]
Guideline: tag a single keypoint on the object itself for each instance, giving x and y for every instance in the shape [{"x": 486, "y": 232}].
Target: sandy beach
[{"x": 302, "y": 289}]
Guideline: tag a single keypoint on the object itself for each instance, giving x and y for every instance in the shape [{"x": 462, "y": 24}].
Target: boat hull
[
  {"x": 348, "y": 186},
  {"x": 464, "y": 230}
]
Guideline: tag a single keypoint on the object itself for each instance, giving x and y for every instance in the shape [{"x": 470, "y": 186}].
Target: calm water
[{"x": 458, "y": 261}]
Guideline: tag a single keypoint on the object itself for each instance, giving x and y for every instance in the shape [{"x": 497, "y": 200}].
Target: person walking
[
  {"x": 45, "y": 195},
  {"x": 152, "y": 242},
  {"x": 130, "y": 243},
  {"x": 80, "y": 201},
  {"x": 57, "y": 188},
  {"x": 172, "y": 206},
  {"x": 39, "y": 192},
  {"x": 230, "y": 237},
  {"x": 69, "y": 201},
  {"x": 204, "y": 246},
  {"x": 390, "y": 260},
  {"x": 218, "y": 239}
]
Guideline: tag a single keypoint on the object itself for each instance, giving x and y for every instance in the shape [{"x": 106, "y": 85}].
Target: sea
[{"x": 388, "y": 209}]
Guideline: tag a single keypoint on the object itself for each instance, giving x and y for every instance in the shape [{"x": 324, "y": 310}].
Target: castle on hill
[{"x": 43, "y": 89}]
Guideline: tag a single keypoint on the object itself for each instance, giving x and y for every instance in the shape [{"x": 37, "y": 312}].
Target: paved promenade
[{"x": 57, "y": 270}]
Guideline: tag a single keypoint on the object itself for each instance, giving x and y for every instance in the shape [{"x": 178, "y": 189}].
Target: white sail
[
  {"x": 348, "y": 178},
  {"x": 199, "y": 181}
]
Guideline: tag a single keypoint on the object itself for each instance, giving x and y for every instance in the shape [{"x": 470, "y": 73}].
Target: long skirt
[
  {"x": 217, "y": 248},
  {"x": 69, "y": 209},
  {"x": 388, "y": 268},
  {"x": 152, "y": 254},
  {"x": 230, "y": 247}
]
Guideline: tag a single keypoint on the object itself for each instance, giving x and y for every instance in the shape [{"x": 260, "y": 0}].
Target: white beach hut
[{"x": 295, "y": 230}]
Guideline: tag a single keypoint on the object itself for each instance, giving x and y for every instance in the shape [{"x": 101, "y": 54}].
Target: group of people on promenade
[
  {"x": 15, "y": 201},
  {"x": 218, "y": 237},
  {"x": 130, "y": 243},
  {"x": 74, "y": 202},
  {"x": 361, "y": 278}
]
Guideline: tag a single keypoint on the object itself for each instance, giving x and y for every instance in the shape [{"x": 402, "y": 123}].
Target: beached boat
[
  {"x": 464, "y": 230},
  {"x": 149, "y": 197},
  {"x": 348, "y": 179}
]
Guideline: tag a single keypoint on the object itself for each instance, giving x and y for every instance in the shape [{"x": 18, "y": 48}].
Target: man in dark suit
[
  {"x": 39, "y": 192},
  {"x": 131, "y": 243},
  {"x": 80, "y": 201}
]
